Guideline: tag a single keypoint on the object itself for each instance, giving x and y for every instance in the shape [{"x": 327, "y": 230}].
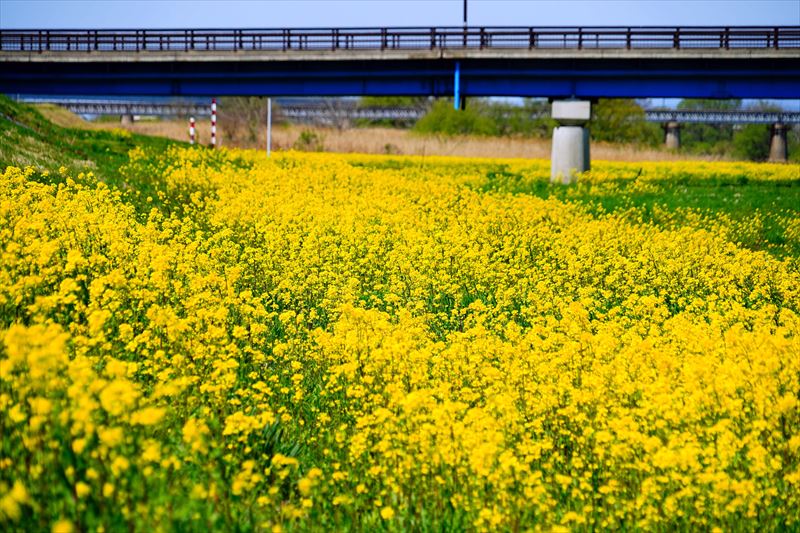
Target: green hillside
[{"x": 29, "y": 139}]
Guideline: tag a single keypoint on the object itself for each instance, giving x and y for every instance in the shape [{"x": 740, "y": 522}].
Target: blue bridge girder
[{"x": 585, "y": 63}]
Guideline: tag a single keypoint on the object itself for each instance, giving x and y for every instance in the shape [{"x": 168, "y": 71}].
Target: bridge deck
[{"x": 752, "y": 62}]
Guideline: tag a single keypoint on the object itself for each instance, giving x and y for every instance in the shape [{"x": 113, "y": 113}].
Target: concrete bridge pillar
[
  {"x": 672, "y": 138},
  {"x": 778, "y": 151},
  {"x": 570, "y": 153},
  {"x": 126, "y": 119}
]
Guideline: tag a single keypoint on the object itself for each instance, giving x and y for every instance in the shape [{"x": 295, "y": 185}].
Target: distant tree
[
  {"x": 419, "y": 102},
  {"x": 752, "y": 142},
  {"x": 531, "y": 119},
  {"x": 701, "y": 104},
  {"x": 708, "y": 138},
  {"x": 622, "y": 121},
  {"x": 488, "y": 117},
  {"x": 242, "y": 118},
  {"x": 765, "y": 106},
  {"x": 416, "y": 102},
  {"x": 445, "y": 120}
]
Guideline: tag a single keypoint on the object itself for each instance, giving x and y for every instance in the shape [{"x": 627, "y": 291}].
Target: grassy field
[
  {"x": 213, "y": 339},
  {"x": 373, "y": 140}
]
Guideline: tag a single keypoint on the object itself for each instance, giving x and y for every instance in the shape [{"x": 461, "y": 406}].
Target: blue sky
[{"x": 328, "y": 13}]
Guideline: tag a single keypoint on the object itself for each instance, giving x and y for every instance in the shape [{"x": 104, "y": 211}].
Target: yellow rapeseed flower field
[{"x": 319, "y": 341}]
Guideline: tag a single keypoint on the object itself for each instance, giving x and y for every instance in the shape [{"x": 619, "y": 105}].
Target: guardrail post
[
  {"x": 580, "y": 38},
  {"x": 628, "y": 39},
  {"x": 383, "y": 38},
  {"x": 531, "y": 39},
  {"x": 775, "y": 39},
  {"x": 335, "y": 40},
  {"x": 433, "y": 38}
]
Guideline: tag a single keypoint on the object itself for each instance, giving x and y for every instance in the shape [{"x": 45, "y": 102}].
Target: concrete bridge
[
  {"x": 571, "y": 64},
  {"x": 753, "y": 62},
  {"x": 780, "y": 121}
]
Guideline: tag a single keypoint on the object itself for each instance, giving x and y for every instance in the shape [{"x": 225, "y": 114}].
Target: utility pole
[{"x": 269, "y": 127}]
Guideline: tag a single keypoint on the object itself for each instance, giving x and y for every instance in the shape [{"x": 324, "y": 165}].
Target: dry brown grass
[
  {"x": 63, "y": 117},
  {"x": 389, "y": 140},
  {"x": 378, "y": 140}
]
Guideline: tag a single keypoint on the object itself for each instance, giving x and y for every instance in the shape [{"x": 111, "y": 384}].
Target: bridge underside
[{"x": 553, "y": 78}]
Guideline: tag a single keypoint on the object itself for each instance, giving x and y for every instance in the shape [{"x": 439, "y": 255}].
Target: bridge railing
[{"x": 334, "y": 39}]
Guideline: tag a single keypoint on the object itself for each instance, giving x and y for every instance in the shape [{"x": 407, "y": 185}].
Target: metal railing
[
  {"x": 442, "y": 38},
  {"x": 108, "y": 106},
  {"x": 724, "y": 117}
]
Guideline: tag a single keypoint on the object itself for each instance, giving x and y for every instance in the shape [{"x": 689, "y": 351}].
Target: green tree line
[{"x": 613, "y": 120}]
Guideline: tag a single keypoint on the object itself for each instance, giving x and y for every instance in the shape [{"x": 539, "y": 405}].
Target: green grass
[
  {"x": 89, "y": 155},
  {"x": 756, "y": 212},
  {"x": 29, "y": 139}
]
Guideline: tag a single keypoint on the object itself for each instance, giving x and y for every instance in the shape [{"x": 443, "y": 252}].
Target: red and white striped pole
[
  {"x": 191, "y": 130},
  {"x": 213, "y": 123}
]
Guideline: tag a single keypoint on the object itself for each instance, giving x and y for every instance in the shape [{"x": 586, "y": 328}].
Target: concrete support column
[
  {"x": 126, "y": 119},
  {"x": 778, "y": 151},
  {"x": 672, "y": 139},
  {"x": 570, "y": 153}
]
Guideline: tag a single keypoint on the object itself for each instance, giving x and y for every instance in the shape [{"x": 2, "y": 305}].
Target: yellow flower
[
  {"x": 148, "y": 416},
  {"x": 82, "y": 489},
  {"x": 63, "y": 526}
]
